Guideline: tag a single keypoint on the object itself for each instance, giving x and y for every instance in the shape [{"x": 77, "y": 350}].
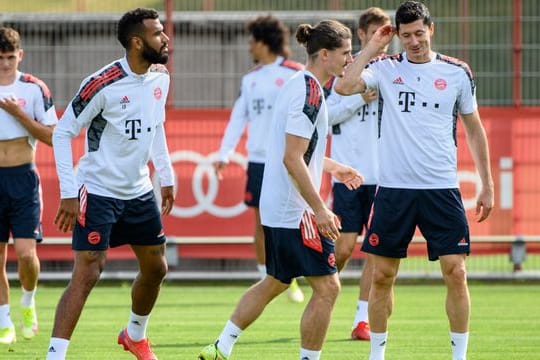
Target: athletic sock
[
  {"x": 136, "y": 327},
  {"x": 28, "y": 297},
  {"x": 228, "y": 338},
  {"x": 57, "y": 349},
  {"x": 378, "y": 345},
  {"x": 361, "y": 312},
  {"x": 261, "y": 268},
  {"x": 459, "y": 343},
  {"x": 5, "y": 319},
  {"x": 309, "y": 354}
]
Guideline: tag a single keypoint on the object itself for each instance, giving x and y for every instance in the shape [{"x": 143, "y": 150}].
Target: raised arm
[{"x": 351, "y": 82}]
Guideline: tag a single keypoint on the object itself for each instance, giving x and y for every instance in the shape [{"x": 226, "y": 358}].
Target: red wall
[{"x": 195, "y": 133}]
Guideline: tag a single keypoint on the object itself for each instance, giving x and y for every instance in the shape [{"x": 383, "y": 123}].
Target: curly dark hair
[
  {"x": 131, "y": 23},
  {"x": 272, "y": 32}
]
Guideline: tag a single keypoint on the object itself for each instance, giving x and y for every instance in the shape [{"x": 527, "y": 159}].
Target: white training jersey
[
  {"x": 254, "y": 107},
  {"x": 301, "y": 111},
  {"x": 36, "y": 101},
  {"x": 354, "y": 130},
  {"x": 420, "y": 105},
  {"x": 123, "y": 114}
]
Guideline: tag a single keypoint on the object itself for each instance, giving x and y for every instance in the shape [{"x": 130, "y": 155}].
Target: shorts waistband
[{"x": 16, "y": 170}]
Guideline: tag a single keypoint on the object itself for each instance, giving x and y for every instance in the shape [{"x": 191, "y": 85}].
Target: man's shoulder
[
  {"x": 386, "y": 58},
  {"x": 445, "y": 59},
  {"x": 291, "y": 65},
  {"x": 43, "y": 88}
]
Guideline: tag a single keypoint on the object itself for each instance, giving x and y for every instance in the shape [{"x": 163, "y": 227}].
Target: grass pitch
[{"x": 188, "y": 316}]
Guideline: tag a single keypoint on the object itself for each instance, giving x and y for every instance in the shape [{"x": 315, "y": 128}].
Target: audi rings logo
[{"x": 205, "y": 201}]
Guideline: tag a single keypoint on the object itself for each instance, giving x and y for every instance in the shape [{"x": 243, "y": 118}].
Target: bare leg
[
  {"x": 381, "y": 295},
  {"x": 4, "y": 284},
  {"x": 252, "y": 303},
  {"x": 457, "y": 293},
  {"x": 86, "y": 271},
  {"x": 27, "y": 263},
  {"x": 344, "y": 248},
  {"x": 152, "y": 271},
  {"x": 317, "y": 314},
  {"x": 259, "y": 238},
  {"x": 365, "y": 278}
]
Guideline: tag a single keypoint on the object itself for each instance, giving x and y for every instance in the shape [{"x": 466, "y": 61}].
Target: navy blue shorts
[
  {"x": 255, "y": 173},
  {"x": 107, "y": 222},
  {"x": 438, "y": 213},
  {"x": 353, "y": 206},
  {"x": 20, "y": 207},
  {"x": 289, "y": 255}
]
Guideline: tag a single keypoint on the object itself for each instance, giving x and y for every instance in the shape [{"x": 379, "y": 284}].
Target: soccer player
[
  {"x": 299, "y": 229},
  {"x": 354, "y": 142},
  {"x": 111, "y": 201},
  {"x": 27, "y": 114},
  {"x": 269, "y": 48},
  {"x": 423, "y": 94}
]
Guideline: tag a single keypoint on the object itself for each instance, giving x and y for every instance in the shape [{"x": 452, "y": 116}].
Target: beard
[{"x": 153, "y": 56}]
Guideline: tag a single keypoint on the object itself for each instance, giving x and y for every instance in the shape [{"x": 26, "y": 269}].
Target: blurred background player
[
  {"x": 299, "y": 228},
  {"x": 254, "y": 108},
  {"x": 110, "y": 201},
  {"x": 27, "y": 114},
  {"x": 354, "y": 122},
  {"x": 423, "y": 92}
]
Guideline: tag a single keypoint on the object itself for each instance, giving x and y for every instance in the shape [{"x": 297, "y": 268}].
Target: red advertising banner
[{"x": 206, "y": 207}]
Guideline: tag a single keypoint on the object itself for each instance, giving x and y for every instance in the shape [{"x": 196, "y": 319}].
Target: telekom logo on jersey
[{"x": 205, "y": 186}]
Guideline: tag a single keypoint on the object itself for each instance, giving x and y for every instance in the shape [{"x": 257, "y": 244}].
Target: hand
[
  {"x": 349, "y": 176},
  {"x": 219, "y": 166},
  {"x": 167, "y": 199},
  {"x": 484, "y": 203},
  {"x": 66, "y": 215},
  {"x": 369, "y": 95},
  {"x": 10, "y": 104},
  {"x": 328, "y": 223},
  {"x": 382, "y": 37}
]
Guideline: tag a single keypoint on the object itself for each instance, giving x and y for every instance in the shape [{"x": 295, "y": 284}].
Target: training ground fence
[{"x": 210, "y": 228}]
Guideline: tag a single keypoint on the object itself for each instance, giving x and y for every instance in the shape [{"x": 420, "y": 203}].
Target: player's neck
[
  {"x": 137, "y": 64},
  {"x": 268, "y": 59},
  {"x": 8, "y": 79}
]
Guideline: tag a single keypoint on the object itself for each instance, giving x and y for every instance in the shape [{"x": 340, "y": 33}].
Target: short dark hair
[
  {"x": 410, "y": 11},
  {"x": 131, "y": 24},
  {"x": 272, "y": 32},
  {"x": 328, "y": 34},
  {"x": 373, "y": 15},
  {"x": 10, "y": 39}
]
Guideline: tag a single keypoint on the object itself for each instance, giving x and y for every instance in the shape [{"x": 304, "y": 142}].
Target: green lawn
[{"x": 188, "y": 316}]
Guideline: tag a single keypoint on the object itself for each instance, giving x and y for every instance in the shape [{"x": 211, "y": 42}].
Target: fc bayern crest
[
  {"x": 440, "y": 84},
  {"x": 158, "y": 93}
]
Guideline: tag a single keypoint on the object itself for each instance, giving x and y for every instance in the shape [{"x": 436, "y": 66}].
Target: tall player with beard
[{"x": 110, "y": 202}]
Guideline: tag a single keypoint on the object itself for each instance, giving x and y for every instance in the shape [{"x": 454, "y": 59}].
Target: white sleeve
[
  {"x": 341, "y": 108},
  {"x": 78, "y": 114},
  {"x": 467, "y": 99},
  {"x": 160, "y": 157},
  {"x": 298, "y": 122},
  {"x": 235, "y": 128},
  {"x": 44, "y": 109}
]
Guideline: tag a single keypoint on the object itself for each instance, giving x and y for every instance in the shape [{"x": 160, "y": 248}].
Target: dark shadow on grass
[{"x": 202, "y": 344}]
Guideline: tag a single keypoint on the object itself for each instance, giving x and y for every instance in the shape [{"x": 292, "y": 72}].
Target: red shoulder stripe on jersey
[
  {"x": 45, "y": 92},
  {"x": 327, "y": 88},
  {"x": 96, "y": 82},
  {"x": 108, "y": 76},
  {"x": 291, "y": 65},
  {"x": 457, "y": 62}
]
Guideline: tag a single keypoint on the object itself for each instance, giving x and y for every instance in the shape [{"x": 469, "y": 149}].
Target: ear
[
  {"x": 432, "y": 28},
  {"x": 361, "y": 36},
  {"x": 323, "y": 53},
  {"x": 135, "y": 42},
  {"x": 21, "y": 54}
]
